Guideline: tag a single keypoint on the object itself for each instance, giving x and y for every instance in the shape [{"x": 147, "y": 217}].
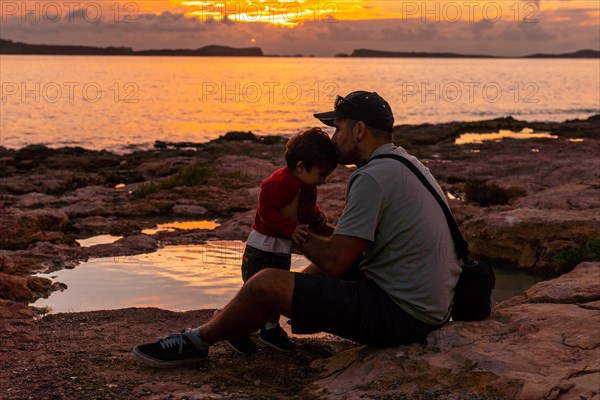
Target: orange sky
[
  {"x": 294, "y": 11},
  {"x": 501, "y": 27}
]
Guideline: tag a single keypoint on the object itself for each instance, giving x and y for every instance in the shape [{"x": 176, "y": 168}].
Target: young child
[{"x": 310, "y": 158}]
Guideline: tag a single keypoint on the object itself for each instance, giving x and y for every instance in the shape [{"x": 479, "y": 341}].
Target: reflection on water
[
  {"x": 526, "y": 133},
  {"x": 99, "y": 239},
  {"x": 453, "y": 196},
  {"x": 185, "y": 225},
  {"x": 181, "y": 278},
  {"x": 176, "y": 278},
  {"x": 511, "y": 282}
]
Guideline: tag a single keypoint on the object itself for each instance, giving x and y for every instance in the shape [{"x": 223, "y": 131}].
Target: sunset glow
[
  {"x": 312, "y": 27},
  {"x": 284, "y": 13},
  {"x": 294, "y": 12}
]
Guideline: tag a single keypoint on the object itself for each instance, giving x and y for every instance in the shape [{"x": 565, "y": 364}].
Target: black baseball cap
[{"x": 368, "y": 107}]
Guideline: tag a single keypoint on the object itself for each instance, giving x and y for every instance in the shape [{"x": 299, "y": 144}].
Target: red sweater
[{"x": 277, "y": 191}]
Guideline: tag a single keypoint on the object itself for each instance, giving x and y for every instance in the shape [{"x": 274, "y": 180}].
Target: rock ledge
[{"x": 540, "y": 346}]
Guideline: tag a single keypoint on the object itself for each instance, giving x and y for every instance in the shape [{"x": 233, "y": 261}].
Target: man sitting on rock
[{"x": 391, "y": 224}]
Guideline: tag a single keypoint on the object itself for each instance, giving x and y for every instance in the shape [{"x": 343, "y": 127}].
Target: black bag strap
[{"x": 460, "y": 244}]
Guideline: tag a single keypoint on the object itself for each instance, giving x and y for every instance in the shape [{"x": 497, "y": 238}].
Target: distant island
[
  {"x": 412, "y": 54},
  {"x": 577, "y": 54},
  {"x": 11, "y": 47}
]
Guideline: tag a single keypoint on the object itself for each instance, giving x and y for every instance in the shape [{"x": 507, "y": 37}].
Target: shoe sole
[
  {"x": 228, "y": 343},
  {"x": 155, "y": 363},
  {"x": 275, "y": 347}
]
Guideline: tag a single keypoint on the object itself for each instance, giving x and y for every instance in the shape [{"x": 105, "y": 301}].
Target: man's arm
[{"x": 333, "y": 256}]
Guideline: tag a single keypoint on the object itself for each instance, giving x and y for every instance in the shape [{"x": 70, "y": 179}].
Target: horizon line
[{"x": 129, "y": 51}]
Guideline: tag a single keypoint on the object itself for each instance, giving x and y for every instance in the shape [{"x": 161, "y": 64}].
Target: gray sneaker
[
  {"x": 277, "y": 338},
  {"x": 172, "y": 351}
]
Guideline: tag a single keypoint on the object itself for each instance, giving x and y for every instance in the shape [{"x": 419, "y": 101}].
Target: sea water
[{"x": 125, "y": 103}]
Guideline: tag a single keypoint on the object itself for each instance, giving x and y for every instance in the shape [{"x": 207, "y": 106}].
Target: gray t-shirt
[{"x": 410, "y": 253}]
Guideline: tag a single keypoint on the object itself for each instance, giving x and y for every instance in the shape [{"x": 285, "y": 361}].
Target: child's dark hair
[{"x": 314, "y": 148}]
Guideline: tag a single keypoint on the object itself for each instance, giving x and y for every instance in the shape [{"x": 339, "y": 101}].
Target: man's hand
[{"x": 300, "y": 233}]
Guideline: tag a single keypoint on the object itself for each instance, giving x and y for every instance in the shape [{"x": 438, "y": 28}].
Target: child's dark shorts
[
  {"x": 255, "y": 260},
  {"x": 356, "y": 310}
]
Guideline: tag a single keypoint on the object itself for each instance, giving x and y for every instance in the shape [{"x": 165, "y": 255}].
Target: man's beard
[{"x": 351, "y": 156}]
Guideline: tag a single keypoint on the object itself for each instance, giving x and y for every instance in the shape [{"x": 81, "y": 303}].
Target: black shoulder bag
[{"x": 473, "y": 292}]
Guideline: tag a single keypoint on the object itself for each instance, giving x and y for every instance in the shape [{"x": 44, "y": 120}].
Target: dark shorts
[
  {"x": 255, "y": 260},
  {"x": 355, "y": 310}
]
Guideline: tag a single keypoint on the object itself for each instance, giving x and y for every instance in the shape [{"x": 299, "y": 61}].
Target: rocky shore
[{"x": 533, "y": 204}]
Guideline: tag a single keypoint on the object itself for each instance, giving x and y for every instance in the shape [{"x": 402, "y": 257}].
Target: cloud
[
  {"x": 80, "y": 28},
  {"x": 339, "y": 33},
  {"x": 427, "y": 32},
  {"x": 388, "y": 31},
  {"x": 478, "y": 29},
  {"x": 525, "y": 32},
  {"x": 169, "y": 22}
]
